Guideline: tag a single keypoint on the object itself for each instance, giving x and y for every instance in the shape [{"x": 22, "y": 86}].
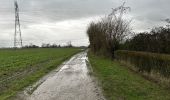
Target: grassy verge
[
  {"x": 20, "y": 68},
  {"x": 119, "y": 83}
]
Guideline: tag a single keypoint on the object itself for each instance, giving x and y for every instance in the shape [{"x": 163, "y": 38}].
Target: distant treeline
[
  {"x": 48, "y": 45},
  {"x": 157, "y": 40}
]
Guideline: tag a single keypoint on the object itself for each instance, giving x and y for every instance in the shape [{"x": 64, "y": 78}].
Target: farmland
[{"x": 22, "y": 67}]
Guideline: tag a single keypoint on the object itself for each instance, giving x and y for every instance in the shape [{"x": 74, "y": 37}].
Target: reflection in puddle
[{"x": 71, "y": 82}]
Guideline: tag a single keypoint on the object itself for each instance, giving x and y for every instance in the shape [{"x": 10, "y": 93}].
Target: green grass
[
  {"x": 119, "y": 83},
  {"x": 20, "y": 68}
]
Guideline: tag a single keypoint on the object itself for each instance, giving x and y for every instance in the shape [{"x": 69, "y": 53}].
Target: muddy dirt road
[{"x": 71, "y": 82}]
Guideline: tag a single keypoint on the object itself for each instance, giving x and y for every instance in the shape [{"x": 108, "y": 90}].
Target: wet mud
[{"x": 71, "y": 82}]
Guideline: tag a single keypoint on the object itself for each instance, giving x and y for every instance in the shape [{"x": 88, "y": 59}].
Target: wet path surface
[{"x": 71, "y": 82}]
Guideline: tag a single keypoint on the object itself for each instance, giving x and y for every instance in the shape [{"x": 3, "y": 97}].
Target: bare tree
[{"x": 109, "y": 32}]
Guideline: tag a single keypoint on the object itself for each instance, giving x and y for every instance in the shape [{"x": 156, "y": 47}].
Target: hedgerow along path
[{"x": 120, "y": 83}]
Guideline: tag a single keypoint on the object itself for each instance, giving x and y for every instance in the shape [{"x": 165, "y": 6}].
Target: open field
[
  {"x": 20, "y": 68},
  {"x": 119, "y": 83}
]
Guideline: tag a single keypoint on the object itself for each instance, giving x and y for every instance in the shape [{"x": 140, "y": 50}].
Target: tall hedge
[
  {"x": 106, "y": 34},
  {"x": 146, "y": 62},
  {"x": 156, "y": 41}
]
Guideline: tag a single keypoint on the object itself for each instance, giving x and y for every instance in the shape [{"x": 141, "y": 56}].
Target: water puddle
[{"x": 71, "y": 82}]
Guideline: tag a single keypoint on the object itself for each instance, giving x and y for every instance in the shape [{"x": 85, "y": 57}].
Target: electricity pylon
[{"x": 17, "y": 34}]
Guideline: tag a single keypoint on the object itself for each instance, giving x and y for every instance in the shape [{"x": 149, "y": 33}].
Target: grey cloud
[
  {"x": 146, "y": 14},
  {"x": 65, "y": 9},
  {"x": 150, "y": 11}
]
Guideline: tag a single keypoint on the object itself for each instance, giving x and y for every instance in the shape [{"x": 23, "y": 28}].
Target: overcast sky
[{"x": 60, "y": 21}]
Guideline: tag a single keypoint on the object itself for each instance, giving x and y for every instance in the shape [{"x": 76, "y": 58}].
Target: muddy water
[{"x": 71, "y": 82}]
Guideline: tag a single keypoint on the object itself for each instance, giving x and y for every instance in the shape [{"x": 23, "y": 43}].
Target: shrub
[
  {"x": 157, "y": 41},
  {"x": 106, "y": 34},
  {"x": 146, "y": 62}
]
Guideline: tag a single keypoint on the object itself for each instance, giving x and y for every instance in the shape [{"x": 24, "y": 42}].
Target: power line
[{"x": 17, "y": 34}]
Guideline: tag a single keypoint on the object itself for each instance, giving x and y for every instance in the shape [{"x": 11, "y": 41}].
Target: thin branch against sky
[{"x": 60, "y": 13}]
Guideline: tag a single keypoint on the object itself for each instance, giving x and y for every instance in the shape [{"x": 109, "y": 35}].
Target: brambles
[{"x": 146, "y": 62}]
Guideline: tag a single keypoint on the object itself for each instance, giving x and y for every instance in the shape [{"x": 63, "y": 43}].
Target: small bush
[{"x": 146, "y": 62}]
